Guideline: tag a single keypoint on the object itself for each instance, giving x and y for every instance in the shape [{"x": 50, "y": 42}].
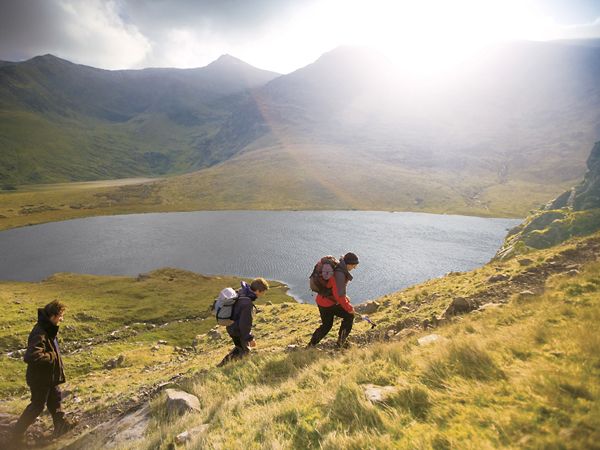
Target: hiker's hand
[{"x": 252, "y": 343}]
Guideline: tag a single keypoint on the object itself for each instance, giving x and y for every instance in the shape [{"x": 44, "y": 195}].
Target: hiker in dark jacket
[
  {"x": 338, "y": 304},
  {"x": 241, "y": 329},
  {"x": 44, "y": 372}
]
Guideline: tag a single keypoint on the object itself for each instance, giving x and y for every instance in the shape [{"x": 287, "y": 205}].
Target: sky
[{"x": 278, "y": 35}]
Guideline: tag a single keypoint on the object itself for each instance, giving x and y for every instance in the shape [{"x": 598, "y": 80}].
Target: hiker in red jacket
[{"x": 338, "y": 304}]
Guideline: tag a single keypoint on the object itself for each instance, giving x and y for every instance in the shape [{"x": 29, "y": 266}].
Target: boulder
[
  {"x": 215, "y": 334},
  {"x": 369, "y": 307},
  {"x": 179, "y": 402},
  {"x": 429, "y": 339},
  {"x": 378, "y": 394},
  {"x": 497, "y": 278},
  {"x": 573, "y": 272},
  {"x": 459, "y": 305}
]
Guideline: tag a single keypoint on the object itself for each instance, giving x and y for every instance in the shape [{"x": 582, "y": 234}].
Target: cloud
[
  {"x": 90, "y": 32},
  {"x": 580, "y": 31}
]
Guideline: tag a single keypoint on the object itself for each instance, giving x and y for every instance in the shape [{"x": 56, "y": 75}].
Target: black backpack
[{"x": 322, "y": 272}]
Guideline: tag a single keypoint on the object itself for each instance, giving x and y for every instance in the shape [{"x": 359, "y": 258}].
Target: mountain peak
[{"x": 227, "y": 60}]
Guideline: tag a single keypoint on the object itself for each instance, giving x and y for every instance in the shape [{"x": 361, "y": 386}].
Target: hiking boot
[
  {"x": 343, "y": 345},
  {"x": 62, "y": 426}
]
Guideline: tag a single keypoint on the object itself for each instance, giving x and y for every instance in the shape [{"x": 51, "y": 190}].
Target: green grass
[
  {"x": 486, "y": 394},
  {"x": 522, "y": 375}
]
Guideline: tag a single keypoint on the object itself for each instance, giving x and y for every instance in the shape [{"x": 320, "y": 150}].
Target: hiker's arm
[
  {"x": 36, "y": 351},
  {"x": 339, "y": 292},
  {"x": 245, "y": 323}
]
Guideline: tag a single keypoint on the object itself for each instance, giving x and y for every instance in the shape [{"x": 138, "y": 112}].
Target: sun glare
[{"x": 427, "y": 37}]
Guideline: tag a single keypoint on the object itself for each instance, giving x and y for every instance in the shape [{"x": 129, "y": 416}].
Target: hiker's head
[
  {"x": 351, "y": 260},
  {"x": 55, "y": 311},
  {"x": 259, "y": 286}
]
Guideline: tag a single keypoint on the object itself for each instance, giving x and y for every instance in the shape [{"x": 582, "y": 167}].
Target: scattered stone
[
  {"x": 573, "y": 272},
  {"x": 269, "y": 303},
  {"x": 284, "y": 305},
  {"x": 525, "y": 261},
  {"x": 526, "y": 294},
  {"x": 489, "y": 306},
  {"x": 404, "y": 309},
  {"x": 215, "y": 334},
  {"x": 429, "y": 339},
  {"x": 378, "y": 394},
  {"x": 499, "y": 277},
  {"x": 155, "y": 348},
  {"x": 182, "y": 438},
  {"x": 114, "y": 363},
  {"x": 407, "y": 332},
  {"x": 120, "y": 432},
  {"x": 291, "y": 348},
  {"x": 162, "y": 342},
  {"x": 390, "y": 333},
  {"x": 179, "y": 402}
]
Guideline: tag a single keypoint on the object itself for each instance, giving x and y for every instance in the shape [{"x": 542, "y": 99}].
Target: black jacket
[
  {"x": 44, "y": 363},
  {"x": 242, "y": 315}
]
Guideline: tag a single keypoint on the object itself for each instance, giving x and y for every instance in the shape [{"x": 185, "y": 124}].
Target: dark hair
[
  {"x": 259, "y": 284},
  {"x": 350, "y": 258},
  {"x": 55, "y": 308}
]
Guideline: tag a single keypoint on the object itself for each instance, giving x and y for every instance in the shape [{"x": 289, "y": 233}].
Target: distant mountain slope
[
  {"x": 526, "y": 111},
  {"x": 510, "y": 129},
  {"x": 62, "y": 121}
]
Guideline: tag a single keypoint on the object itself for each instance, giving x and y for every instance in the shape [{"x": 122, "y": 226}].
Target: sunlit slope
[
  {"x": 525, "y": 364},
  {"x": 332, "y": 177}
]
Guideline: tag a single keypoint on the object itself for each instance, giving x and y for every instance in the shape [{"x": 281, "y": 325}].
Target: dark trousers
[
  {"x": 239, "y": 351},
  {"x": 41, "y": 396},
  {"x": 327, "y": 316}
]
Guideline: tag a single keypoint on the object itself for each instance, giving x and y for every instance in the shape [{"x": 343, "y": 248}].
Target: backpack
[
  {"x": 321, "y": 273},
  {"x": 223, "y": 306}
]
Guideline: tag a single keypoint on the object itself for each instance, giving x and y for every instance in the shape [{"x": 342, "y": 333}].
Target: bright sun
[{"x": 426, "y": 36}]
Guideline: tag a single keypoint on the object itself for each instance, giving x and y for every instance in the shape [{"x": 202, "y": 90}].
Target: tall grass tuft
[
  {"x": 464, "y": 358},
  {"x": 413, "y": 399},
  {"x": 350, "y": 410}
]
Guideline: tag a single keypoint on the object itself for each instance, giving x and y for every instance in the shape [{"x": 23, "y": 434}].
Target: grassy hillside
[
  {"x": 521, "y": 370},
  {"x": 61, "y": 121},
  {"x": 281, "y": 178}
]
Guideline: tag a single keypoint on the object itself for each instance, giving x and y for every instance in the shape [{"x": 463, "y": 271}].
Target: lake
[{"x": 395, "y": 250}]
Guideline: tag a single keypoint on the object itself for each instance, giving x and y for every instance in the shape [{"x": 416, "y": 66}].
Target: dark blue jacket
[{"x": 242, "y": 315}]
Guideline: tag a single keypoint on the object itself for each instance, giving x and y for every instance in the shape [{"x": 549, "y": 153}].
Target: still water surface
[{"x": 395, "y": 249}]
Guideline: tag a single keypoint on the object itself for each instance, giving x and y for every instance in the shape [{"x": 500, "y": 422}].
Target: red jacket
[{"x": 341, "y": 300}]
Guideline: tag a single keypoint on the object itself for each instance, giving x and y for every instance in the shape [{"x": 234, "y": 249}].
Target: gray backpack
[{"x": 223, "y": 306}]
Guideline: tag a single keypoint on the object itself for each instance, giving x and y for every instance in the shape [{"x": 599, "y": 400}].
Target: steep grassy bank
[
  {"x": 525, "y": 375},
  {"x": 110, "y": 318},
  {"x": 521, "y": 370}
]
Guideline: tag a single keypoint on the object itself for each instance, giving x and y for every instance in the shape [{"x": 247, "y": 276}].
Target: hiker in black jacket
[
  {"x": 241, "y": 329},
  {"x": 44, "y": 372}
]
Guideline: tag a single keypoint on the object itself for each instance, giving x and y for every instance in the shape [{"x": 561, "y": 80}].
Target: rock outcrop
[{"x": 573, "y": 213}]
